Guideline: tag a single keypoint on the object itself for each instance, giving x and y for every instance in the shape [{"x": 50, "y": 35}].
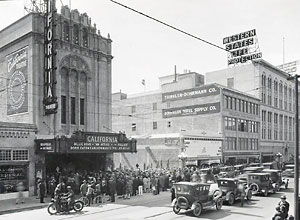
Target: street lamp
[
  {"x": 182, "y": 156},
  {"x": 296, "y": 150}
]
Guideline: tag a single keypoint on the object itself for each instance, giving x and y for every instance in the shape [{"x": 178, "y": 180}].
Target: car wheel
[
  {"x": 176, "y": 208},
  {"x": 197, "y": 210},
  {"x": 219, "y": 204},
  {"x": 254, "y": 188},
  {"x": 231, "y": 199},
  {"x": 249, "y": 195}
]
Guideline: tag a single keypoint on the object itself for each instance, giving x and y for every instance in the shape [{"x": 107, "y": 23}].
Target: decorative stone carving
[{"x": 75, "y": 62}]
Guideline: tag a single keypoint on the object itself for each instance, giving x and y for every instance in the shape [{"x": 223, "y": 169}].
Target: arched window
[
  {"x": 66, "y": 31},
  {"x": 85, "y": 37},
  {"x": 76, "y": 34}
]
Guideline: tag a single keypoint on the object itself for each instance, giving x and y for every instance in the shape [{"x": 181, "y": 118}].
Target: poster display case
[{"x": 11, "y": 175}]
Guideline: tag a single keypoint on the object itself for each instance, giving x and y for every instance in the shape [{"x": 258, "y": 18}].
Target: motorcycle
[{"x": 60, "y": 205}]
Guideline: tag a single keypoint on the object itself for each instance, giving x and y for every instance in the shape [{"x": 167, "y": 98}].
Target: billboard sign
[
  {"x": 290, "y": 68},
  {"x": 197, "y": 92},
  {"x": 50, "y": 101},
  {"x": 17, "y": 82},
  {"x": 208, "y": 108},
  {"x": 242, "y": 47},
  {"x": 203, "y": 148}
]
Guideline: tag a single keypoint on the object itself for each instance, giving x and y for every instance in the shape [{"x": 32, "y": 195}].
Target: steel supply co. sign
[
  {"x": 202, "y": 91},
  {"x": 208, "y": 108}
]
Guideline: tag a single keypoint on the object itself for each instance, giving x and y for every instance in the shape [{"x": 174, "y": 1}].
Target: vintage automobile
[
  {"x": 260, "y": 183},
  {"x": 276, "y": 177},
  {"x": 239, "y": 168},
  {"x": 247, "y": 170},
  {"x": 227, "y": 172},
  {"x": 289, "y": 170},
  {"x": 195, "y": 197},
  {"x": 229, "y": 187}
]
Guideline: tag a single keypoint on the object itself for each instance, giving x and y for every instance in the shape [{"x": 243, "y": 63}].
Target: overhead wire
[{"x": 168, "y": 25}]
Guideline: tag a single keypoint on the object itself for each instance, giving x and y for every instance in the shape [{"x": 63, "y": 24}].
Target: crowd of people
[{"x": 127, "y": 183}]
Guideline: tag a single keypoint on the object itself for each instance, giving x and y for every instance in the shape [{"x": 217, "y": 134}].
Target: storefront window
[{"x": 11, "y": 175}]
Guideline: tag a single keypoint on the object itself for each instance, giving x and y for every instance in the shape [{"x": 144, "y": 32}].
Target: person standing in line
[
  {"x": 112, "y": 188},
  {"x": 83, "y": 188},
  {"x": 89, "y": 194},
  {"x": 20, "y": 189},
  {"x": 42, "y": 190},
  {"x": 140, "y": 186},
  {"x": 103, "y": 191}
]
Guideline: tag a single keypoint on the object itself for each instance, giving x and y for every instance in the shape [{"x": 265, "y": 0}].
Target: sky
[{"x": 145, "y": 49}]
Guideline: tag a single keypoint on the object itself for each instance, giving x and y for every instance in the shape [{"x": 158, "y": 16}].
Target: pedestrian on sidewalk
[
  {"x": 90, "y": 193},
  {"x": 42, "y": 190},
  {"x": 20, "y": 189}
]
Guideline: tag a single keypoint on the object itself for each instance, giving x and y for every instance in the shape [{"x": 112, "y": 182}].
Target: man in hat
[
  {"x": 70, "y": 196},
  {"x": 83, "y": 188},
  {"x": 284, "y": 206}
]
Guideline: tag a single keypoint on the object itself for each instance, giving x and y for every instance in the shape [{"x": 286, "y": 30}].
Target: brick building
[
  {"x": 187, "y": 116},
  {"x": 277, "y": 95}
]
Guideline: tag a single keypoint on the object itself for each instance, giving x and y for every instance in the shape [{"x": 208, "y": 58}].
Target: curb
[{"x": 23, "y": 209}]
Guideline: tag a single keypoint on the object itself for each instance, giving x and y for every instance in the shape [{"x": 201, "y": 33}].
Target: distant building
[
  {"x": 277, "y": 95},
  {"x": 185, "y": 115}
]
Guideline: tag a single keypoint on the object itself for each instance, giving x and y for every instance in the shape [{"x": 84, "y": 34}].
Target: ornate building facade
[{"x": 82, "y": 82}]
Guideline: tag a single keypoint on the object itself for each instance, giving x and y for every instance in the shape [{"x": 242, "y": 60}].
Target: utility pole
[
  {"x": 296, "y": 151},
  {"x": 296, "y": 174}
]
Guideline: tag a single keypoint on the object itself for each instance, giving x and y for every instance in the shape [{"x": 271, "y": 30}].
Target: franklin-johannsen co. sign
[
  {"x": 202, "y": 91},
  {"x": 208, "y": 108},
  {"x": 50, "y": 101}
]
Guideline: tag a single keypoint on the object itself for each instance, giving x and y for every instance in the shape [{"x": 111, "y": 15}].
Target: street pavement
[{"x": 158, "y": 207}]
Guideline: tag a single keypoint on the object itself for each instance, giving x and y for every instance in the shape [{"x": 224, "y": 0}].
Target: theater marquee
[{"x": 242, "y": 47}]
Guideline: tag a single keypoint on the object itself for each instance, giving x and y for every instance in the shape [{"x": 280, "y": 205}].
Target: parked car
[
  {"x": 289, "y": 170},
  {"x": 260, "y": 183},
  {"x": 229, "y": 187},
  {"x": 254, "y": 165},
  {"x": 239, "y": 168},
  {"x": 247, "y": 170},
  {"x": 196, "y": 197},
  {"x": 276, "y": 177},
  {"x": 227, "y": 172}
]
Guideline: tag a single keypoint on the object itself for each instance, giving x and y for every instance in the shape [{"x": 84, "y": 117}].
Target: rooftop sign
[
  {"x": 242, "y": 47},
  {"x": 290, "y": 67}
]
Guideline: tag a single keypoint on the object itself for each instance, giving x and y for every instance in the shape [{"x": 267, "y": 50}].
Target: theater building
[
  {"x": 276, "y": 93},
  {"x": 55, "y": 93},
  {"x": 186, "y": 117}
]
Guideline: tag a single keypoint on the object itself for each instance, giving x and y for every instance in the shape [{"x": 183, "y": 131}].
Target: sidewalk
[{"x": 9, "y": 205}]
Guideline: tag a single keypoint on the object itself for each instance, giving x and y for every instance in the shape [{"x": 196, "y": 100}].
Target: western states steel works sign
[
  {"x": 202, "y": 91},
  {"x": 208, "y": 108}
]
